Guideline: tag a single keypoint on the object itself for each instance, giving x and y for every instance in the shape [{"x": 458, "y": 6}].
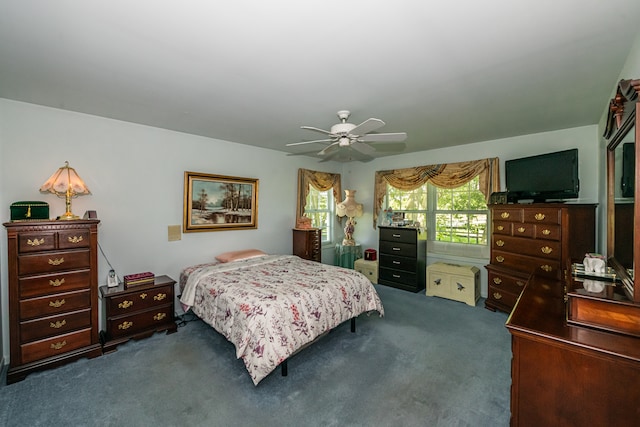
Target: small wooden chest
[{"x": 453, "y": 281}]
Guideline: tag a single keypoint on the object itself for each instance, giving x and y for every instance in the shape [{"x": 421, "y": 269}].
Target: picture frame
[{"x": 219, "y": 202}]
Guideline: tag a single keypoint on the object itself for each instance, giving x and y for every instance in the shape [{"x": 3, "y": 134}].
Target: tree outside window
[{"x": 457, "y": 215}]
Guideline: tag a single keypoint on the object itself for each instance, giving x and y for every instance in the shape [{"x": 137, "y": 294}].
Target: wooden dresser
[
  {"x": 538, "y": 238},
  {"x": 402, "y": 258},
  {"x": 137, "y": 312},
  {"x": 569, "y": 375},
  {"x": 307, "y": 243},
  {"x": 53, "y": 294}
]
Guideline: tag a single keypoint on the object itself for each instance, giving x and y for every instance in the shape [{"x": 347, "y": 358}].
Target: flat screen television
[{"x": 542, "y": 178}]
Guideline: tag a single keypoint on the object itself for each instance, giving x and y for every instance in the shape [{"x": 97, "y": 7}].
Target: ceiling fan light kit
[{"x": 349, "y": 136}]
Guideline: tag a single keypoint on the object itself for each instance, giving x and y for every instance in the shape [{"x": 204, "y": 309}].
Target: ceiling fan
[{"x": 356, "y": 137}]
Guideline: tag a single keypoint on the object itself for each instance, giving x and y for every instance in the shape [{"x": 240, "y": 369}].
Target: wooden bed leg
[
  {"x": 353, "y": 324},
  {"x": 283, "y": 368}
]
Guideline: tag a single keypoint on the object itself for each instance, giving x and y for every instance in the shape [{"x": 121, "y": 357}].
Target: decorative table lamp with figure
[{"x": 351, "y": 209}]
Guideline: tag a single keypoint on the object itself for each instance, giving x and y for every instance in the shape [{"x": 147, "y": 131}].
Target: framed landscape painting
[{"x": 218, "y": 202}]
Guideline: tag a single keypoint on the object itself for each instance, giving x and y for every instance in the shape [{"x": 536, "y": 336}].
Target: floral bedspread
[{"x": 271, "y": 306}]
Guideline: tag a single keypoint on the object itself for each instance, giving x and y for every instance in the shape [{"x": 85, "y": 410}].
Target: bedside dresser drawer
[
  {"x": 398, "y": 263},
  {"x": 53, "y": 261},
  {"x": 31, "y": 330},
  {"x": 399, "y": 249},
  {"x": 140, "y": 321},
  {"x": 54, "y": 304},
  {"x": 34, "y": 286},
  {"x": 57, "y": 345},
  {"x": 36, "y": 242},
  {"x": 397, "y": 276},
  {"x": 397, "y": 234},
  {"x": 136, "y": 301}
]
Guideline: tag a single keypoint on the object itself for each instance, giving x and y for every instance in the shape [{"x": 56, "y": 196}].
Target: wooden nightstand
[{"x": 137, "y": 312}]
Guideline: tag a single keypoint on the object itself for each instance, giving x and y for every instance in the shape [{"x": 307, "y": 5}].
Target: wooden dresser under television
[
  {"x": 536, "y": 238},
  {"x": 53, "y": 294}
]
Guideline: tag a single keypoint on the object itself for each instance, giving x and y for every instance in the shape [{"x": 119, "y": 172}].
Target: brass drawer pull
[
  {"x": 497, "y": 280},
  {"x": 125, "y": 304},
  {"x": 75, "y": 239},
  {"x": 500, "y": 228},
  {"x": 58, "y": 345},
  {"x": 520, "y": 283},
  {"x": 546, "y": 250},
  {"x": 500, "y": 243},
  {"x": 159, "y": 316},
  {"x": 57, "y": 282},
  {"x": 546, "y": 267},
  {"x": 143, "y": 295},
  {"x": 159, "y": 297},
  {"x": 497, "y": 295},
  {"x": 500, "y": 258},
  {"x": 546, "y": 231},
  {"x": 59, "y": 324},
  {"x": 522, "y": 229},
  {"x": 57, "y": 303},
  {"x": 35, "y": 242},
  {"x": 56, "y": 261},
  {"x": 539, "y": 216},
  {"x": 125, "y": 325},
  {"x": 504, "y": 215}
]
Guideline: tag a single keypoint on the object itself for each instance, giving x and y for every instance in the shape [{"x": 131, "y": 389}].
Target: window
[
  {"x": 320, "y": 208},
  {"x": 461, "y": 214},
  {"x": 457, "y": 215}
]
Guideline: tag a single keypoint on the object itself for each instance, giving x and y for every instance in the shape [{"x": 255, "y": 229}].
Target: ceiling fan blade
[
  {"x": 363, "y": 148},
  {"x": 329, "y": 156},
  {"x": 328, "y": 149},
  {"x": 393, "y": 147},
  {"x": 291, "y": 144},
  {"x": 316, "y": 129},
  {"x": 367, "y": 126},
  {"x": 384, "y": 137}
]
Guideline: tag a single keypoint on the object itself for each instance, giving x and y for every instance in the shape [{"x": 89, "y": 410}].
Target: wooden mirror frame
[{"x": 622, "y": 119}]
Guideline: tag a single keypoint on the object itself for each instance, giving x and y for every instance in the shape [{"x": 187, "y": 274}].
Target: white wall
[{"x": 136, "y": 176}]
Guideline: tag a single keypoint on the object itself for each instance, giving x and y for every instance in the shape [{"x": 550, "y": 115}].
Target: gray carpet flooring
[{"x": 428, "y": 362}]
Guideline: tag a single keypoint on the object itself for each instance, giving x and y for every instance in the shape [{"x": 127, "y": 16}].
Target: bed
[{"x": 271, "y": 306}]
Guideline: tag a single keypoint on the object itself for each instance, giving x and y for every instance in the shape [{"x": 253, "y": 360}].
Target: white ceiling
[{"x": 254, "y": 71}]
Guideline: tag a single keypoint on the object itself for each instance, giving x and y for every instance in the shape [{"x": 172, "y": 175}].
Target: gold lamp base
[{"x": 68, "y": 216}]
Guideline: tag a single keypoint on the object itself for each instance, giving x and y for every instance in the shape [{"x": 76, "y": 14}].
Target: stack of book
[{"x": 139, "y": 279}]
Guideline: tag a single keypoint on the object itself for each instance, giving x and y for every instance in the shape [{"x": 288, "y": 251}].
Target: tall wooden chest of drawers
[
  {"x": 539, "y": 238},
  {"x": 307, "y": 243},
  {"x": 53, "y": 294},
  {"x": 403, "y": 258}
]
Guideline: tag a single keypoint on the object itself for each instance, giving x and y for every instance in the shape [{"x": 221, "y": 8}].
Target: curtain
[
  {"x": 322, "y": 181},
  {"x": 446, "y": 175}
]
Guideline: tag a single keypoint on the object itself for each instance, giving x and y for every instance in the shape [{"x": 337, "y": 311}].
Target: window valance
[
  {"x": 446, "y": 175},
  {"x": 322, "y": 181}
]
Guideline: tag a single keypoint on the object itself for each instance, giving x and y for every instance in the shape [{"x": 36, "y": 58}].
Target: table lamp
[
  {"x": 66, "y": 183},
  {"x": 351, "y": 209}
]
